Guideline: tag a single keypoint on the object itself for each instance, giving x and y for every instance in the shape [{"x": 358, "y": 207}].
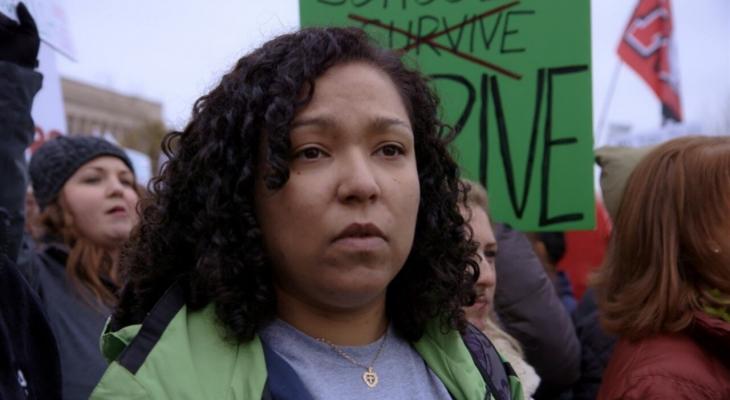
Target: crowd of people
[{"x": 311, "y": 237}]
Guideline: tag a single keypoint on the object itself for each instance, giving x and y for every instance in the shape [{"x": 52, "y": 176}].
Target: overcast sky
[{"x": 173, "y": 51}]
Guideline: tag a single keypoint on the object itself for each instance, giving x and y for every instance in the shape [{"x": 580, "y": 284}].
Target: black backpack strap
[
  {"x": 282, "y": 382},
  {"x": 134, "y": 355},
  {"x": 494, "y": 371}
]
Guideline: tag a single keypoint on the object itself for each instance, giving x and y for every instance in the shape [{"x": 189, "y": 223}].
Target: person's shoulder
[
  {"x": 498, "y": 374},
  {"x": 657, "y": 386},
  {"x": 664, "y": 366},
  {"x": 664, "y": 350},
  {"x": 178, "y": 352},
  {"x": 43, "y": 265}
]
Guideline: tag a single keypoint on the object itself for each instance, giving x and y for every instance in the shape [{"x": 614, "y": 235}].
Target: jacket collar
[
  {"x": 444, "y": 352},
  {"x": 712, "y": 334},
  {"x": 448, "y": 357},
  {"x": 55, "y": 249},
  {"x": 712, "y": 327}
]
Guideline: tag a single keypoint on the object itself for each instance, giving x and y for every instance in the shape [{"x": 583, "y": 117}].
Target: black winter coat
[
  {"x": 75, "y": 323},
  {"x": 29, "y": 361},
  {"x": 530, "y": 310},
  {"x": 597, "y": 347}
]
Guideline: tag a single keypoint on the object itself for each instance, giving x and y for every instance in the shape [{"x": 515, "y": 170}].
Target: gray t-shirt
[{"x": 402, "y": 373}]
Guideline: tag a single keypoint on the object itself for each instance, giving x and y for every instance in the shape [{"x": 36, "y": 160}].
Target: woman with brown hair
[
  {"x": 87, "y": 196},
  {"x": 665, "y": 286}
]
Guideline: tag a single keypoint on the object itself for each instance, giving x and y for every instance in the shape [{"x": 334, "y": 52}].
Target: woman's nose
[
  {"x": 358, "y": 181},
  {"x": 114, "y": 187},
  {"x": 487, "y": 275}
]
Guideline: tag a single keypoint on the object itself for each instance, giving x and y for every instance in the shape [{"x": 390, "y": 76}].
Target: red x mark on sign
[{"x": 430, "y": 39}]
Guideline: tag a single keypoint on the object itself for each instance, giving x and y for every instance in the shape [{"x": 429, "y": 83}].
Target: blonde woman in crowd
[{"x": 482, "y": 314}]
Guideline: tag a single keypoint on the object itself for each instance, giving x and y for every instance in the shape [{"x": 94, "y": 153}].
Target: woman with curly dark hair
[{"x": 304, "y": 241}]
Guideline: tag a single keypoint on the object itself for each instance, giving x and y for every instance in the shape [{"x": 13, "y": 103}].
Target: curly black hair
[{"x": 199, "y": 226}]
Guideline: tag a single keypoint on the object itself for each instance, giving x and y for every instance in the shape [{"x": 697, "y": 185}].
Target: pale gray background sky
[{"x": 173, "y": 51}]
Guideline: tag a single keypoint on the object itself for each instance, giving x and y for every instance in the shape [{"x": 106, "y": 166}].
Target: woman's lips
[
  {"x": 360, "y": 237},
  {"x": 360, "y": 230},
  {"x": 360, "y": 243},
  {"x": 117, "y": 211},
  {"x": 482, "y": 301}
]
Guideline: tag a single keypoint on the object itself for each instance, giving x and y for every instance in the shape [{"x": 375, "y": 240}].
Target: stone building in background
[
  {"x": 134, "y": 122},
  {"x": 91, "y": 110}
]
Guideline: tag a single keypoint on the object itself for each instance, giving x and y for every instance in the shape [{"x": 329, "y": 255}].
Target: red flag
[{"x": 647, "y": 47}]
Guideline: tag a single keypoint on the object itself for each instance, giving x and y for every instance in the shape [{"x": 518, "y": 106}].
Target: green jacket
[{"x": 184, "y": 356}]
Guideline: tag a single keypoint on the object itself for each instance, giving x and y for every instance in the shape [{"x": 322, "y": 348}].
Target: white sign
[
  {"x": 51, "y": 21},
  {"x": 48, "y": 112}
]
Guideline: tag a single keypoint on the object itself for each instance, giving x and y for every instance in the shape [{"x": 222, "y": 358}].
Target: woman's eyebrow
[
  {"x": 325, "y": 121},
  {"x": 383, "y": 123},
  {"x": 104, "y": 170},
  {"x": 319, "y": 121},
  {"x": 92, "y": 168}
]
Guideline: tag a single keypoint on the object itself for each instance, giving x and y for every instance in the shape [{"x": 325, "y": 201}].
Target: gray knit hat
[{"x": 56, "y": 160}]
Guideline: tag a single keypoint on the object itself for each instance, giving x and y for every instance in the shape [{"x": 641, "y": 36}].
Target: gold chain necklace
[{"x": 369, "y": 376}]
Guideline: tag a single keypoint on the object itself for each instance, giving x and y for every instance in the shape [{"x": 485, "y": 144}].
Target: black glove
[{"x": 19, "y": 42}]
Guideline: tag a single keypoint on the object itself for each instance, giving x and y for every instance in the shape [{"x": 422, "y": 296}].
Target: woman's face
[
  {"x": 478, "y": 313},
  {"x": 342, "y": 226},
  {"x": 101, "y": 198}
]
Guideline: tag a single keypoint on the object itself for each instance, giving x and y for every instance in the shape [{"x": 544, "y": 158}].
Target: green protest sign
[{"x": 514, "y": 78}]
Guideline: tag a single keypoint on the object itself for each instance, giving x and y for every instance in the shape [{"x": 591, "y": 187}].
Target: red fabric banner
[{"x": 647, "y": 47}]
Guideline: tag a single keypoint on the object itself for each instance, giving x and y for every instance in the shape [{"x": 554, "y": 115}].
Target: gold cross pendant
[{"x": 370, "y": 377}]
